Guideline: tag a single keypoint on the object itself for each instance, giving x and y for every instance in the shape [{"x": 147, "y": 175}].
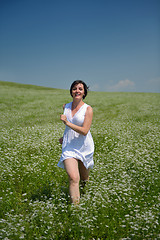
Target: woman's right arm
[
  {"x": 64, "y": 106},
  {"x": 61, "y": 139}
]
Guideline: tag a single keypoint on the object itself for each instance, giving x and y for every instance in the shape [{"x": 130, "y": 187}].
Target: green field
[{"x": 122, "y": 197}]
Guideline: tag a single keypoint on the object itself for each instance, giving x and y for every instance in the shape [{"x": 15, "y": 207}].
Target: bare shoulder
[{"x": 89, "y": 110}]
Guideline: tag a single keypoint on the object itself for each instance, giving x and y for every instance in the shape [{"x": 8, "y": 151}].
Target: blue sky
[{"x": 111, "y": 45}]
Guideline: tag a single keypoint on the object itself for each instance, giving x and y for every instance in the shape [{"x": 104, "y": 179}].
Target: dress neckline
[{"x": 77, "y": 111}]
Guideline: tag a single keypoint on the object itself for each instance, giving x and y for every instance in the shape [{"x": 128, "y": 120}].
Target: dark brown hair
[{"x": 86, "y": 88}]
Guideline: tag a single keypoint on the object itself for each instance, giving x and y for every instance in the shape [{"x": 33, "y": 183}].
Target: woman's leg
[
  {"x": 84, "y": 175},
  {"x": 84, "y": 172},
  {"x": 71, "y": 166}
]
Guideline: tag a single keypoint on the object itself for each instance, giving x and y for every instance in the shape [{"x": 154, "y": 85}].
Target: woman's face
[{"x": 78, "y": 91}]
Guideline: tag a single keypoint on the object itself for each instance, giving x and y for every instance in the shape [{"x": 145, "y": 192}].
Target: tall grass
[{"x": 122, "y": 197}]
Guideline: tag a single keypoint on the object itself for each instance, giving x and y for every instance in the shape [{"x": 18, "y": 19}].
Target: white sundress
[{"x": 76, "y": 145}]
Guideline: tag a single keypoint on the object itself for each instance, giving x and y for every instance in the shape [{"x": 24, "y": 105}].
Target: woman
[{"x": 77, "y": 142}]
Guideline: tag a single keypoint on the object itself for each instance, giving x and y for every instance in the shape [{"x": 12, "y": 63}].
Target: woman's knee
[
  {"x": 74, "y": 178},
  {"x": 71, "y": 166}
]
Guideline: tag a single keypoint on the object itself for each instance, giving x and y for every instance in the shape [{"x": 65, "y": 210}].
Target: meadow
[{"x": 122, "y": 198}]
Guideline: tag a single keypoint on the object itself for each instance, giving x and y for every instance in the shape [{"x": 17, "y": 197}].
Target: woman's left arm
[{"x": 86, "y": 124}]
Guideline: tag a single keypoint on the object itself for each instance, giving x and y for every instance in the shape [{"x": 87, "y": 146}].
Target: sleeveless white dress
[{"x": 76, "y": 145}]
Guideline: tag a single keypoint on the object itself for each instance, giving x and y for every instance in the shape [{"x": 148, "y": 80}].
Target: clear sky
[{"x": 112, "y": 45}]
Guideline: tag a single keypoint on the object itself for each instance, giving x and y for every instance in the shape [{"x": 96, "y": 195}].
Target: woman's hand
[
  {"x": 63, "y": 118},
  {"x": 61, "y": 140}
]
